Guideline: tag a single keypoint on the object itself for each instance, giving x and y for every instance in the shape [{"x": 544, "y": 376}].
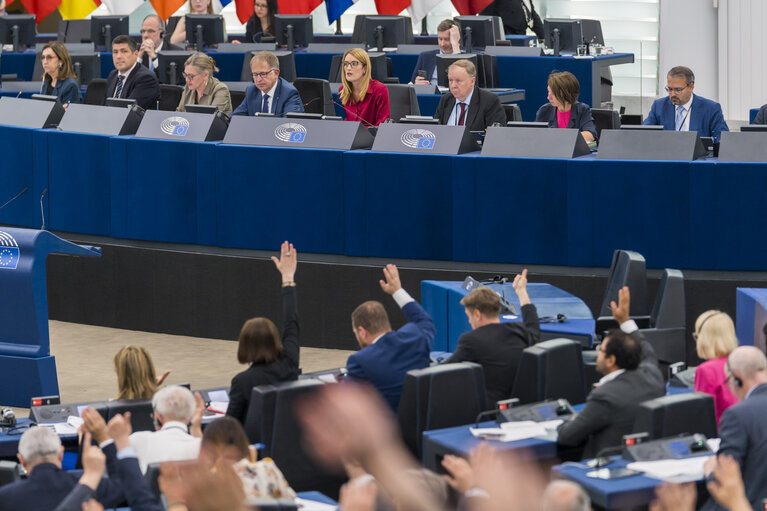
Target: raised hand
[
  {"x": 460, "y": 475},
  {"x": 94, "y": 462},
  {"x": 159, "y": 379},
  {"x": 621, "y": 310},
  {"x": 119, "y": 429},
  {"x": 392, "y": 283},
  {"x": 94, "y": 424},
  {"x": 520, "y": 287},
  {"x": 287, "y": 262}
]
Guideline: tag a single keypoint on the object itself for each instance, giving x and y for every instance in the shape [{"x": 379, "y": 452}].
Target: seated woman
[
  {"x": 195, "y": 7},
  {"x": 262, "y": 22},
  {"x": 59, "y": 78},
  {"x": 564, "y": 110},
  {"x": 136, "y": 377},
  {"x": 201, "y": 87},
  {"x": 364, "y": 99},
  {"x": 714, "y": 340},
  {"x": 271, "y": 359}
]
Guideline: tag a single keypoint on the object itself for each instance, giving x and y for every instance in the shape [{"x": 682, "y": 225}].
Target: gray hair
[
  {"x": 38, "y": 443},
  {"x": 563, "y": 495},
  {"x": 682, "y": 72},
  {"x": 747, "y": 360},
  {"x": 160, "y": 21},
  {"x": 174, "y": 402}
]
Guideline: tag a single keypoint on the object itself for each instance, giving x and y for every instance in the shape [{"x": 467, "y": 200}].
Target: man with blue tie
[
  {"x": 684, "y": 111},
  {"x": 269, "y": 93}
]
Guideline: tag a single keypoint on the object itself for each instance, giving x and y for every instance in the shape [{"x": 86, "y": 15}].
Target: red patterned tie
[{"x": 462, "y": 117}]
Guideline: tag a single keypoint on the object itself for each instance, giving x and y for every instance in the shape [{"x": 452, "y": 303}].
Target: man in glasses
[
  {"x": 682, "y": 110},
  {"x": 269, "y": 93}
]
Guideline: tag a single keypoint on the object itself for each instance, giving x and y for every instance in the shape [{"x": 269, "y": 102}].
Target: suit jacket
[
  {"x": 761, "y": 115},
  {"x": 484, "y": 110},
  {"x": 512, "y": 13},
  {"x": 384, "y": 363},
  {"x": 286, "y": 99},
  {"x": 427, "y": 61},
  {"x": 166, "y": 46},
  {"x": 141, "y": 85},
  {"x": 705, "y": 116},
  {"x": 611, "y": 408},
  {"x": 744, "y": 437},
  {"x": 497, "y": 348},
  {"x": 216, "y": 93},
  {"x": 68, "y": 91},
  {"x": 283, "y": 369},
  {"x": 580, "y": 117}
]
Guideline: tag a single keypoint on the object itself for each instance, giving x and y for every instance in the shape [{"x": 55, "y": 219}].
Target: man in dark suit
[
  {"x": 448, "y": 39},
  {"x": 387, "y": 354},
  {"x": 741, "y": 429},
  {"x": 467, "y": 105},
  {"x": 269, "y": 93},
  {"x": 129, "y": 79},
  {"x": 497, "y": 346},
  {"x": 40, "y": 453},
  {"x": 761, "y": 115},
  {"x": 684, "y": 111},
  {"x": 517, "y": 15},
  {"x": 631, "y": 375},
  {"x": 153, "y": 40}
]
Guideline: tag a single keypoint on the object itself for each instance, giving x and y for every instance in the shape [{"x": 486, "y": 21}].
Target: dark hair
[
  {"x": 66, "y": 69},
  {"x": 125, "y": 39},
  {"x": 371, "y": 316},
  {"x": 259, "y": 342},
  {"x": 227, "y": 431},
  {"x": 564, "y": 86},
  {"x": 682, "y": 72},
  {"x": 626, "y": 350},
  {"x": 483, "y": 299},
  {"x": 446, "y": 25},
  {"x": 271, "y": 10}
]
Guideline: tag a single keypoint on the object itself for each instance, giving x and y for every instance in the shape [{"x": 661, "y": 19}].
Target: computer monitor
[
  {"x": 74, "y": 31},
  {"x": 293, "y": 30},
  {"x": 444, "y": 62},
  {"x": 754, "y": 127},
  {"x": 591, "y": 32},
  {"x": 121, "y": 102},
  {"x": 570, "y": 34},
  {"x": 204, "y": 30},
  {"x": 87, "y": 66},
  {"x": 171, "y": 66},
  {"x": 477, "y": 31},
  {"x": 105, "y": 28},
  {"x": 526, "y": 124},
  {"x": 387, "y": 31},
  {"x": 18, "y": 30},
  {"x": 201, "y": 109}
]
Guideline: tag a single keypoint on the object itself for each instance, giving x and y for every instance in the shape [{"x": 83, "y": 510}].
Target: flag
[
  {"x": 77, "y": 9},
  {"x": 165, "y": 8},
  {"x": 336, "y": 8},
  {"x": 40, "y": 8},
  {"x": 244, "y": 10},
  {"x": 470, "y": 7},
  {"x": 297, "y": 6},
  {"x": 391, "y": 6},
  {"x": 420, "y": 8},
  {"x": 122, "y": 6}
]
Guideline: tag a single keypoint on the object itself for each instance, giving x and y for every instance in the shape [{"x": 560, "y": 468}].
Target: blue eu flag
[
  {"x": 426, "y": 143},
  {"x": 9, "y": 258}
]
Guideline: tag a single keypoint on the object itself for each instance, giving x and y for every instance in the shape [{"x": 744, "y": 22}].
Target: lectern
[{"x": 27, "y": 368}]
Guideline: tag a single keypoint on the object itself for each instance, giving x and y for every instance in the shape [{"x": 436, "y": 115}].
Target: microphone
[
  {"x": 366, "y": 123},
  {"x": 14, "y": 198},
  {"x": 42, "y": 211},
  {"x": 311, "y": 101}
]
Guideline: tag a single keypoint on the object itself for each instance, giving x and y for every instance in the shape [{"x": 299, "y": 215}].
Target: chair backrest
[
  {"x": 96, "y": 92},
  {"x": 151, "y": 476},
  {"x": 676, "y": 414},
  {"x": 334, "y": 74},
  {"x": 668, "y": 311},
  {"x": 550, "y": 370},
  {"x": 316, "y": 95},
  {"x": 287, "y": 65},
  {"x": 605, "y": 119},
  {"x": 238, "y": 96},
  {"x": 627, "y": 269},
  {"x": 402, "y": 101},
  {"x": 10, "y": 472},
  {"x": 170, "y": 96},
  {"x": 513, "y": 112},
  {"x": 142, "y": 414},
  {"x": 438, "y": 397}
]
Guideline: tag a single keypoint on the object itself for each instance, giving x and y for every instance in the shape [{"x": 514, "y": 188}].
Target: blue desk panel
[
  {"x": 751, "y": 316},
  {"x": 267, "y": 195},
  {"x": 20, "y": 64},
  {"x": 24, "y": 165},
  {"x": 15, "y": 94},
  {"x": 752, "y": 115}
]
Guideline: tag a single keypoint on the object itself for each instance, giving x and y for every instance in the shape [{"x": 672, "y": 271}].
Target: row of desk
[{"x": 694, "y": 215}]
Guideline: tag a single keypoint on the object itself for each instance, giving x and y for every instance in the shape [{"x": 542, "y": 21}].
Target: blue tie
[
  {"x": 119, "y": 88},
  {"x": 679, "y": 118},
  {"x": 265, "y": 106}
]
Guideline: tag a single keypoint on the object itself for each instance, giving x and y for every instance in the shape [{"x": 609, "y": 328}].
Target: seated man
[
  {"x": 467, "y": 105},
  {"x": 497, "y": 346},
  {"x": 386, "y": 355},
  {"x": 40, "y": 453},
  {"x": 684, "y": 111},
  {"x": 269, "y": 93},
  {"x": 153, "y": 40},
  {"x": 129, "y": 79},
  {"x": 631, "y": 375},
  {"x": 448, "y": 39},
  {"x": 761, "y": 115}
]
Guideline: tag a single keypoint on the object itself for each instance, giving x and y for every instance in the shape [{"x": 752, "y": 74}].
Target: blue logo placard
[
  {"x": 297, "y": 136},
  {"x": 180, "y": 130},
  {"x": 425, "y": 143},
  {"x": 9, "y": 258}
]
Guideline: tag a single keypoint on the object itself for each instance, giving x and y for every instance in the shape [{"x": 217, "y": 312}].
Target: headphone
[
  {"x": 735, "y": 380},
  {"x": 700, "y": 328}
]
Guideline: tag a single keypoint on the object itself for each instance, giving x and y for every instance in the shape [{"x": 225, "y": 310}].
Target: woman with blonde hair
[
  {"x": 59, "y": 78},
  {"x": 715, "y": 339},
  {"x": 201, "y": 87},
  {"x": 364, "y": 99},
  {"x": 195, "y": 7},
  {"x": 136, "y": 376}
]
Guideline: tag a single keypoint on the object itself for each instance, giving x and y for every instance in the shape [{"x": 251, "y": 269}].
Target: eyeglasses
[
  {"x": 352, "y": 63},
  {"x": 261, "y": 6},
  {"x": 48, "y": 57},
  {"x": 148, "y": 31},
  {"x": 261, "y": 75},
  {"x": 189, "y": 76},
  {"x": 676, "y": 90}
]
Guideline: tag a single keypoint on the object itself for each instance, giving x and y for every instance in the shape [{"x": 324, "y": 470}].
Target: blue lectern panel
[{"x": 24, "y": 165}]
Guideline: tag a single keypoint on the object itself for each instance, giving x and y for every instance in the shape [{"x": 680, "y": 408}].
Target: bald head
[
  {"x": 565, "y": 496},
  {"x": 746, "y": 368}
]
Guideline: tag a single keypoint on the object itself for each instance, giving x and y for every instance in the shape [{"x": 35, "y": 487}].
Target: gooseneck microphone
[
  {"x": 366, "y": 123},
  {"x": 15, "y": 197},
  {"x": 42, "y": 211}
]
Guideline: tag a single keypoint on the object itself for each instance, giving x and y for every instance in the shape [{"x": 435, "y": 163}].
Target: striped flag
[
  {"x": 122, "y": 6},
  {"x": 297, "y": 6},
  {"x": 40, "y": 8},
  {"x": 336, "y": 8},
  {"x": 391, "y": 6},
  {"x": 244, "y": 10},
  {"x": 77, "y": 9},
  {"x": 165, "y": 8}
]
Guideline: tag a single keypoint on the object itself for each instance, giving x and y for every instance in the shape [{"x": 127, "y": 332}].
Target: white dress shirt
[
  {"x": 171, "y": 443},
  {"x": 455, "y": 115}
]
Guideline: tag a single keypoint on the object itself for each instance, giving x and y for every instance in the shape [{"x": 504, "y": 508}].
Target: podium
[{"x": 27, "y": 368}]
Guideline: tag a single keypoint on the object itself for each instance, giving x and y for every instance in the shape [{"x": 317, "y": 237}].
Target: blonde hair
[
  {"x": 716, "y": 335},
  {"x": 136, "y": 378},
  {"x": 348, "y": 94},
  {"x": 202, "y": 62}
]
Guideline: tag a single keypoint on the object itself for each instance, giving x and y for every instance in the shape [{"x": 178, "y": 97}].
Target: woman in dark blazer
[
  {"x": 564, "y": 110},
  {"x": 262, "y": 22},
  {"x": 59, "y": 78},
  {"x": 271, "y": 359}
]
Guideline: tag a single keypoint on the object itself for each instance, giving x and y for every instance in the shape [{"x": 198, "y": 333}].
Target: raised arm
[
  {"x": 412, "y": 310},
  {"x": 286, "y": 264},
  {"x": 529, "y": 312}
]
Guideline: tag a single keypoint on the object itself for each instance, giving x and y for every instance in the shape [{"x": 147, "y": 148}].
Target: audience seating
[
  {"x": 677, "y": 414},
  {"x": 402, "y": 101},
  {"x": 287, "y": 65},
  {"x": 550, "y": 370},
  {"x": 627, "y": 269},
  {"x": 9, "y": 472},
  {"x": 316, "y": 95},
  {"x": 605, "y": 119},
  {"x": 513, "y": 112},
  {"x": 152, "y": 475},
  {"x": 440, "y": 396},
  {"x": 96, "y": 92},
  {"x": 238, "y": 96},
  {"x": 170, "y": 95}
]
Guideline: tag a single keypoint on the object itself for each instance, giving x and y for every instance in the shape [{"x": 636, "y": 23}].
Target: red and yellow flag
[
  {"x": 40, "y": 8},
  {"x": 77, "y": 9}
]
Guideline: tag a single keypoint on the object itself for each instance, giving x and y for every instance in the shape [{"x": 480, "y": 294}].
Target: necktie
[
  {"x": 151, "y": 64},
  {"x": 119, "y": 88},
  {"x": 462, "y": 117},
  {"x": 265, "y": 106},
  {"x": 679, "y": 118}
]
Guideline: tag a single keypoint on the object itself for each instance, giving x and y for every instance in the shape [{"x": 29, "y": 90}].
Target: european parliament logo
[
  {"x": 291, "y": 132},
  {"x": 9, "y": 252},
  {"x": 418, "y": 138},
  {"x": 175, "y": 126}
]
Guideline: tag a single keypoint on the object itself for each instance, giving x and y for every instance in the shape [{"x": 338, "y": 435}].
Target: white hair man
[{"x": 563, "y": 495}]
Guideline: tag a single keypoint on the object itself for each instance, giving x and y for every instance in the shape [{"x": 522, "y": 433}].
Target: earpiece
[{"x": 737, "y": 382}]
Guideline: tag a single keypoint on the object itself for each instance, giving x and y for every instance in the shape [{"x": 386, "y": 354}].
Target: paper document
[
  {"x": 511, "y": 431},
  {"x": 68, "y": 428},
  {"x": 218, "y": 406},
  {"x": 688, "y": 469},
  {"x": 313, "y": 505}
]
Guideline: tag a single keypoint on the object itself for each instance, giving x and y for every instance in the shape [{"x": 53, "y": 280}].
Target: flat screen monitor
[
  {"x": 105, "y": 28},
  {"x": 171, "y": 66},
  {"x": 204, "y": 30},
  {"x": 570, "y": 34},
  {"x": 121, "y": 102},
  {"x": 754, "y": 127},
  {"x": 18, "y": 30},
  {"x": 524, "y": 124},
  {"x": 293, "y": 30},
  {"x": 87, "y": 66},
  {"x": 74, "y": 31},
  {"x": 444, "y": 62},
  {"x": 201, "y": 109},
  {"x": 387, "y": 31},
  {"x": 477, "y": 31},
  {"x": 591, "y": 32}
]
